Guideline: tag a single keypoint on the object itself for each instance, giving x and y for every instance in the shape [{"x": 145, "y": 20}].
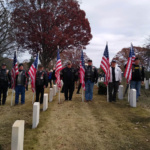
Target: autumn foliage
[{"x": 41, "y": 25}]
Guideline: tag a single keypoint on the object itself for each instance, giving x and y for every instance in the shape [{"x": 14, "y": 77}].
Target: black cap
[
  {"x": 89, "y": 60},
  {"x": 21, "y": 64},
  {"x": 114, "y": 61},
  {"x": 136, "y": 58},
  {"x": 3, "y": 64}
]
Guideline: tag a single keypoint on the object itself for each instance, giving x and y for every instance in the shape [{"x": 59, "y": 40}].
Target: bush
[{"x": 102, "y": 89}]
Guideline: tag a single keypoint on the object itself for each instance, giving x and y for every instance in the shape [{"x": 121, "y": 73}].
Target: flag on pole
[
  {"x": 105, "y": 65},
  {"x": 14, "y": 71},
  {"x": 128, "y": 70},
  {"x": 82, "y": 70},
  {"x": 58, "y": 69},
  {"x": 32, "y": 72}
]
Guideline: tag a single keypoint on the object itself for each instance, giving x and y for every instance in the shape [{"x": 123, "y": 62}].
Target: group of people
[{"x": 70, "y": 76}]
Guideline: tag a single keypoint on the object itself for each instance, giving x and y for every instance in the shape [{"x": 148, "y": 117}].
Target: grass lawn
[{"x": 75, "y": 125}]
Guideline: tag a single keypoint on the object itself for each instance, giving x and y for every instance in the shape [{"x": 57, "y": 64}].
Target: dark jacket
[
  {"x": 41, "y": 78},
  {"x": 5, "y": 78},
  {"x": 69, "y": 75},
  {"x": 53, "y": 75},
  {"x": 137, "y": 73},
  {"x": 23, "y": 78},
  {"x": 91, "y": 74}
]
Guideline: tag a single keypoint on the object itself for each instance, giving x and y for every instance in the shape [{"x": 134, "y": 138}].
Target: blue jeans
[
  {"x": 89, "y": 90},
  {"x": 136, "y": 85},
  {"x": 20, "y": 89}
]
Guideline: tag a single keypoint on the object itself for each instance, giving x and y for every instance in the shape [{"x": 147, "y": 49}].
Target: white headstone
[
  {"x": 146, "y": 84},
  {"x": 144, "y": 80},
  {"x": 17, "y": 139},
  {"x": 36, "y": 114},
  {"x": 133, "y": 98},
  {"x": 50, "y": 95},
  {"x": 45, "y": 102},
  {"x": 62, "y": 83},
  {"x": 149, "y": 80},
  {"x": 54, "y": 90},
  {"x": 120, "y": 93}
]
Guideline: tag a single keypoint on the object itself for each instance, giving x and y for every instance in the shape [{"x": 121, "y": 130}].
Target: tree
[
  {"x": 6, "y": 32},
  {"x": 41, "y": 25}
]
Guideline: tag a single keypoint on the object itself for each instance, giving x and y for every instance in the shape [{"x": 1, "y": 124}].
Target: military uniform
[
  {"x": 91, "y": 76},
  {"x": 5, "y": 82},
  {"x": 41, "y": 81},
  {"x": 69, "y": 76}
]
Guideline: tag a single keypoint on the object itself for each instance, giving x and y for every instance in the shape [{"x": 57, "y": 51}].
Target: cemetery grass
[{"x": 75, "y": 125}]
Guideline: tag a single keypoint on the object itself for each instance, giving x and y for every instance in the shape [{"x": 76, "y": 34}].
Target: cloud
[{"x": 118, "y": 22}]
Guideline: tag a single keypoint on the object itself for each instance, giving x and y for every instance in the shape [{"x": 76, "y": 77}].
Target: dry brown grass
[{"x": 81, "y": 126}]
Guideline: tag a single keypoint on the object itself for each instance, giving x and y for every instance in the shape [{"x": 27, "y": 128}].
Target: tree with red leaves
[{"x": 41, "y": 25}]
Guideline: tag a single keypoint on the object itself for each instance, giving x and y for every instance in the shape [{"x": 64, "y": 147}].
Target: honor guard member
[
  {"x": 20, "y": 85},
  {"x": 115, "y": 80},
  {"x": 91, "y": 77},
  {"x": 41, "y": 83},
  {"x": 5, "y": 82},
  {"x": 137, "y": 77},
  {"x": 69, "y": 76}
]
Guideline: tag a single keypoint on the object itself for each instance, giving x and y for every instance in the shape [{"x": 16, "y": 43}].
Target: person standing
[
  {"x": 137, "y": 77},
  {"x": 20, "y": 85},
  {"x": 115, "y": 80},
  {"x": 69, "y": 76},
  {"x": 50, "y": 78},
  {"x": 41, "y": 83},
  {"x": 91, "y": 77},
  {"x": 5, "y": 82},
  {"x": 53, "y": 76}
]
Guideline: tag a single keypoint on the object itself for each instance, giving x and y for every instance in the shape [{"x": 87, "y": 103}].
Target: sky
[{"x": 118, "y": 22}]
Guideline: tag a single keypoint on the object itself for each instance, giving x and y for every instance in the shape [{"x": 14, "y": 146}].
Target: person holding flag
[
  {"x": 137, "y": 77},
  {"x": 41, "y": 83},
  {"x": 115, "y": 80},
  {"x": 69, "y": 76},
  {"x": 91, "y": 77}
]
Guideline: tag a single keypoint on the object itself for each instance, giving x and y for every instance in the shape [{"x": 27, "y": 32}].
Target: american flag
[
  {"x": 14, "y": 71},
  {"x": 105, "y": 65},
  {"x": 32, "y": 72},
  {"x": 58, "y": 69},
  {"x": 82, "y": 71},
  {"x": 128, "y": 71}
]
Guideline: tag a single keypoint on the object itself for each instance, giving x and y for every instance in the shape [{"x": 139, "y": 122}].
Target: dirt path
[{"x": 93, "y": 126}]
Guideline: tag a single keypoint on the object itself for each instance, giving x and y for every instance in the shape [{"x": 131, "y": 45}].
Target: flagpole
[
  {"x": 13, "y": 90},
  {"x": 34, "y": 83}
]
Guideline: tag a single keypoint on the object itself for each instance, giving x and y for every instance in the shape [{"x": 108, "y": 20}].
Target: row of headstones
[
  {"x": 132, "y": 95},
  {"x": 17, "y": 140}
]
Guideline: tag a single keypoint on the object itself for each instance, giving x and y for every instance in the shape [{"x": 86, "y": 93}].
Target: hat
[
  {"x": 20, "y": 64},
  {"x": 40, "y": 66},
  {"x": 3, "y": 64},
  {"x": 136, "y": 59},
  {"x": 114, "y": 61},
  {"x": 89, "y": 60},
  {"x": 69, "y": 62}
]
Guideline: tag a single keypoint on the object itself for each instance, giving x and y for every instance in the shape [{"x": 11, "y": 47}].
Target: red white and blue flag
[
  {"x": 82, "y": 70},
  {"x": 32, "y": 73},
  {"x": 128, "y": 70},
  {"x": 105, "y": 65},
  {"x": 14, "y": 71},
  {"x": 58, "y": 69}
]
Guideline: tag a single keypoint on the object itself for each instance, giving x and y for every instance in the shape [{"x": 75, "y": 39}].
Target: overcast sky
[{"x": 118, "y": 22}]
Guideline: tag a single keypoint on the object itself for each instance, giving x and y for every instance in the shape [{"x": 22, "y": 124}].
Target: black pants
[
  {"x": 63, "y": 89},
  {"x": 50, "y": 81},
  {"x": 79, "y": 87},
  {"x": 113, "y": 89},
  {"x": 3, "y": 90},
  {"x": 68, "y": 87},
  {"x": 39, "y": 90}
]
